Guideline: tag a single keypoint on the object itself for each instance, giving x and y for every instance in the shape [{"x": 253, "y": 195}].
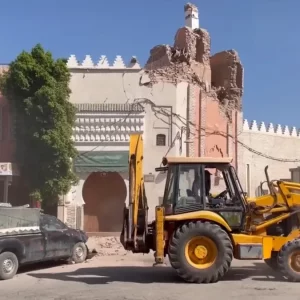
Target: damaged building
[
  {"x": 184, "y": 101},
  {"x": 214, "y": 87}
]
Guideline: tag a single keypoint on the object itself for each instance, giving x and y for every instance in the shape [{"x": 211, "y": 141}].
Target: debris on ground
[{"x": 106, "y": 246}]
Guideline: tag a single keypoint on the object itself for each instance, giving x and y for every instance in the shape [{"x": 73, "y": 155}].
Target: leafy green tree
[{"x": 37, "y": 88}]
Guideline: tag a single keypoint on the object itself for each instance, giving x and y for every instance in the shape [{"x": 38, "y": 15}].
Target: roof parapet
[
  {"x": 102, "y": 63},
  {"x": 270, "y": 129}
]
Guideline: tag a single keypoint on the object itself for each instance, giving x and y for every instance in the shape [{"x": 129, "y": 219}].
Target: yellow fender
[{"x": 200, "y": 215}]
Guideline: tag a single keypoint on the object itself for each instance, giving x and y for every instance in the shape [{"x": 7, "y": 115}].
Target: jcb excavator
[{"x": 200, "y": 233}]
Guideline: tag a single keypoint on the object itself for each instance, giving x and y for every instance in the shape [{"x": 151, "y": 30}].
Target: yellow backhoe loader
[{"x": 201, "y": 233}]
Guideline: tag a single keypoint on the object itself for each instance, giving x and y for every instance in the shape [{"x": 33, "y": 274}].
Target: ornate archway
[{"x": 104, "y": 195}]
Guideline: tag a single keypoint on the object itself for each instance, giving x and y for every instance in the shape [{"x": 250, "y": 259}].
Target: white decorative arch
[{"x": 77, "y": 190}]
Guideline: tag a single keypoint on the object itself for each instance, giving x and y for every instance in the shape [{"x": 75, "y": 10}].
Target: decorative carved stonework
[{"x": 112, "y": 124}]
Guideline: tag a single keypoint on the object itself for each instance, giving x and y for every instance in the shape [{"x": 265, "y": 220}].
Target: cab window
[
  {"x": 169, "y": 189},
  {"x": 190, "y": 185}
]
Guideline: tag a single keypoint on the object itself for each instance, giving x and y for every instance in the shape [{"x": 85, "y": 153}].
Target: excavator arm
[{"x": 135, "y": 220}]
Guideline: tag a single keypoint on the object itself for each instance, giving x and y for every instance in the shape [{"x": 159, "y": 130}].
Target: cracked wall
[
  {"x": 215, "y": 89},
  {"x": 227, "y": 80}
]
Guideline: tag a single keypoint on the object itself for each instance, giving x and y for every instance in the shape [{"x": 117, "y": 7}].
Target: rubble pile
[
  {"x": 182, "y": 61},
  {"x": 106, "y": 246},
  {"x": 219, "y": 76}
]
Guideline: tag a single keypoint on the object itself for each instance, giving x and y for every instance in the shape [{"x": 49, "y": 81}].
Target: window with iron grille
[{"x": 161, "y": 140}]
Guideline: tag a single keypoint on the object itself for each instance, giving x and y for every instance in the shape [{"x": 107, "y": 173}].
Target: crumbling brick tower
[{"x": 214, "y": 94}]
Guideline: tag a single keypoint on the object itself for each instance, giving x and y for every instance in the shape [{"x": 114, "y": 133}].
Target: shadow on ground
[
  {"x": 47, "y": 264},
  {"x": 40, "y": 266},
  {"x": 104, "y": 275}
]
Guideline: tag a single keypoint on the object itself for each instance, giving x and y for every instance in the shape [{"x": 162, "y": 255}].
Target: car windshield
[{"x": 51, "y": 223}]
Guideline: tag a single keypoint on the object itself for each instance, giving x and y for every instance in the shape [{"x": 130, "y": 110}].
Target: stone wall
[
  {"x": 97, "y": 86},
  {"x": 261, "y": 145}
]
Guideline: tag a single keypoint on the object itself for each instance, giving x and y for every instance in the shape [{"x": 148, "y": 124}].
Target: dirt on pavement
[
  {"x": 106, "y": 246},
  {"x": 115, "y": 274}
]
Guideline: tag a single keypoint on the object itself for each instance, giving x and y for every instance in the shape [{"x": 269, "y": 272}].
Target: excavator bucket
[{"x": 135, "y": 219}]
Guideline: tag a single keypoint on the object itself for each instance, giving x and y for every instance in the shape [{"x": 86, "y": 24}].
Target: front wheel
[
  {"x": 200, "y": 252},
  {"x": 289, "y": 260},
  {"x": 9, "y": 265},
  {"x": 79, "y": 254}
]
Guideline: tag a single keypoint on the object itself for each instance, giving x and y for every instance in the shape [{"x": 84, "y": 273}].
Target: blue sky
[{"x": 264, "y": 32}]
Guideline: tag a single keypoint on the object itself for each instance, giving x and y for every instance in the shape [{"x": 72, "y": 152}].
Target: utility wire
[{"x": 159, "y": 110}]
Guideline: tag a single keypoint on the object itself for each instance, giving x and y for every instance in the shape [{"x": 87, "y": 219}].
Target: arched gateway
[{"x": 104, "y": 195}]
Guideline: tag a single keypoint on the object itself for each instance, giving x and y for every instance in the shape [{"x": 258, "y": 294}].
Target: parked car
[{"x": 54, "y": 241}]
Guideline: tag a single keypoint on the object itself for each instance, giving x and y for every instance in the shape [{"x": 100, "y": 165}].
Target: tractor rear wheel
[{"x": 200, "y": 252}]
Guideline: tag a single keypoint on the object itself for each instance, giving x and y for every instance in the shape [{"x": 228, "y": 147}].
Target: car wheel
[
  {"x": 9, "y": 265},
  {"x": 79, "y": 253}
]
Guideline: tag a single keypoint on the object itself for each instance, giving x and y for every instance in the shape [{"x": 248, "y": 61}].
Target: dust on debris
[{"x": 106, "y": 246}]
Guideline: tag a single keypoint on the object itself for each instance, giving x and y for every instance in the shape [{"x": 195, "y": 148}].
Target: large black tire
[
  {"x": 273, "y": 261},
  {"x": 210, "y": 269},
  {"x": 9, "y": 265},
  {"x": 79, "y": 253},
  {"x": 289, "y": 260}
]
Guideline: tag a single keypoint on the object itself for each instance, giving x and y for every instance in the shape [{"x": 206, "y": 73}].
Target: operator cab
[{"x": 189, "y": 188}]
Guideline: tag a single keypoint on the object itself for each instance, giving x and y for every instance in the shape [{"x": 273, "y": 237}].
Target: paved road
[{"x": 131, "y": 277}]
